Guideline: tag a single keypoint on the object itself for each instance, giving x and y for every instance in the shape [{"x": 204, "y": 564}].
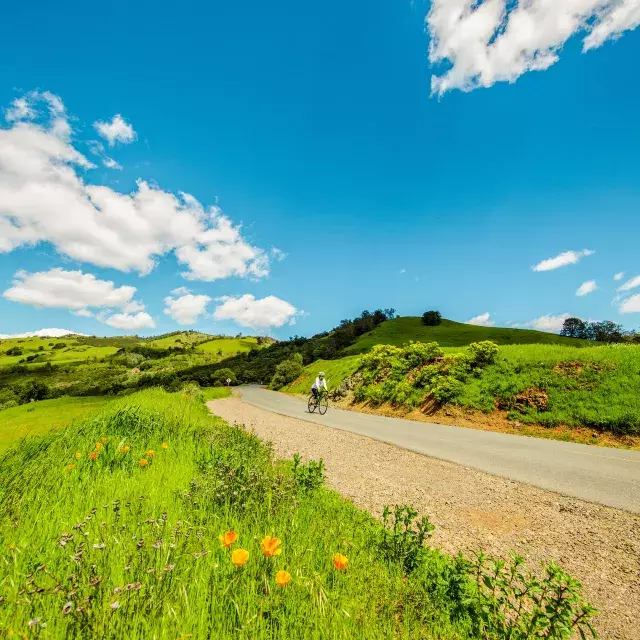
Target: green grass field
[
  {"x": 37, "y": 418},
  {"x": 74, "y": 351},
  {"x": 400, "y": 331},
  {"x": 229, "y": 346},
  {"x": 110, "y": 529}
]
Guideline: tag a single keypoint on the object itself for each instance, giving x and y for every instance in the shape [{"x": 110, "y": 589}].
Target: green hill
[{"x": 400, "y": 331}]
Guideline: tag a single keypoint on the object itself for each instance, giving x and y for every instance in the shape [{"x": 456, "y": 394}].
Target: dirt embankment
[{"x": 598, "y": 545}]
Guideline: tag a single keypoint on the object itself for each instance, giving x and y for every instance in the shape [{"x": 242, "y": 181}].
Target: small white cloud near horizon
[
  {"x": 482, "y": 320},
  {"x": 562, "y": 260},
  {"x": 630, "y": 305},
  {"x": 42, "y": 333},
  {"x": 263, "y": 313},
  {"x": 630, "y": 284},
  {"x": 187, "y": 308},
  {"x": 619, "y": 275},
  {"x": 129, "y": 321},
  {"x": 499, "y": 41},
  {"x": 118, "y": 130},
  {"x": 587, "y": 287},
  {"x": 549, "y": 323}
]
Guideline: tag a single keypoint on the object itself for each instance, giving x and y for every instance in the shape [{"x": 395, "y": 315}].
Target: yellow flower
[
  {"x": 124, "y": 449},
  {"x": 340, "y": 562},
  {"x": 271, "y": 546},
  {"x": 150, "y": 453},
  {"x": 70, "y": 467},
  {"x": 239, "y": 557},
  {"x": 165, "y": 445},
  {"x": 78, "y": 455},
  {"x": 103, "y": 440},
  {"x": 98, "y": 446},
  {"x": 283, "y": 578},
  {"x": 228, "y": 539},
  {"x": 93, "y": 455},
  {"x": 144, "y": 462}
]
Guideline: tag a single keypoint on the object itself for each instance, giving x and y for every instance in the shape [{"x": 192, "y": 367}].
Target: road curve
[{"x": 606, "y": 476}]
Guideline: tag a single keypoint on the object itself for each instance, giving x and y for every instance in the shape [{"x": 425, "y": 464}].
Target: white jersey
[{"x": 320, "y": 383}]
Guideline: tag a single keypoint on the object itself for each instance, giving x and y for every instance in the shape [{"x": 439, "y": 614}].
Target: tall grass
[{"x": 98, "y": 546}]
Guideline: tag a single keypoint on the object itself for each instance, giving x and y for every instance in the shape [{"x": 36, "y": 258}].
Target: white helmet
[{"x": 321, "y": 374}]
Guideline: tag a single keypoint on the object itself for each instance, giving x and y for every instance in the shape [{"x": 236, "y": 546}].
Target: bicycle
[{"x": 321, "y": 403}]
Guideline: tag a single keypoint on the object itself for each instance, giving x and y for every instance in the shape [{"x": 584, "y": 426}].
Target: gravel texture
[{"x": 598, "y": 545}]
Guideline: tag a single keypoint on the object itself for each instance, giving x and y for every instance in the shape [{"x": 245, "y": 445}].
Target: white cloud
[
  {"x": 483, "y": 320},
  {"x": 110, "y": 163},
  {"x": 257, "y": 314},
  {"x": 187, "y": 308},
  {"x": 562, "y": 260},
  {"x": 619, "y": 275},
  {"x": 549, "y": 323},
  {"x": 129, "y": 321},
  {"x": 630, "y": 305},
  {"x": 587, "y": 287},
  {"x": 403, "y": 271},
  {"x": 118, "y": 130},
  {"x": 44, "y": 197},
  {"x": 84, "y": 313},
  {"x": 42, "y": 333},
  {"x": 500, "y": 40},
  {"x": 630, "y": 284},
  {"x": 74, "y": 290}
]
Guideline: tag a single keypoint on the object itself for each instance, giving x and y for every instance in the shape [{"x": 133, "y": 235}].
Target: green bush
[
  {"x": 431, "y": 318},
  {"x": 287, "y": 372}
]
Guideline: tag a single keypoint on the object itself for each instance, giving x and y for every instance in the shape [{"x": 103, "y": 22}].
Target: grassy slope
[
  {"x": 335, "y": 371},
  {"x": 73, "y": 352},
  {"x": 229, "y": 346},
  {"x": 39, "y": 417},
  {"x": 451, "y": 334}
]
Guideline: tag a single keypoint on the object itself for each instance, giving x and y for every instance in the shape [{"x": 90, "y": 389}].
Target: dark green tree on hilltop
[
  {"x": 573, "y": 328},
  {"x": 431, "y": 318}
]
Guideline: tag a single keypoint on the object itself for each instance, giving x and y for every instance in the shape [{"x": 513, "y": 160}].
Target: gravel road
[{"x": 471, "y": 509}]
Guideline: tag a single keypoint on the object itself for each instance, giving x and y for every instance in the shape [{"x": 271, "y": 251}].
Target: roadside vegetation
[{"x": 151, "y": 518}]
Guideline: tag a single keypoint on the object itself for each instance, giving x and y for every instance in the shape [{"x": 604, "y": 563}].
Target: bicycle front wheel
[
  {"x": 312, "y": 404},
  {"x": 323, "y": 405}
]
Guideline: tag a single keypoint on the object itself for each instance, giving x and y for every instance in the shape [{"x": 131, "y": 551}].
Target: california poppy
[
  {"x": 239, "y": 557},
  {"x": 283, "y": 578},
  {"x": 228, "y": 539},
  {"x": 124, "y": 449},
  {"x": 271, "y": 546},
  {"x": 93, "y": 455},
  {"x": 103, "y": 440},
  {"x": 165, "y": 445},
  {"x": 78, "y": 455},
  {"x": 151, "y": 453},
  {"x": 98, "y": 446},
  {"x": 144, "y": 462},
  {"x": 340, "y": 562}
]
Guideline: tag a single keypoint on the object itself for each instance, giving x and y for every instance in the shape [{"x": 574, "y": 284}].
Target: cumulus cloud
[
  {"x": 630, "y": 284},
  {"x": 44, "y": 197},
  {"x": 257, "y": 314},
  {"x": 42, "y": 333},
  {"x": 500, "y": 40},
  {"x": 587, "y": 287},
  {"x": 483, "y": 320},
  {"x": 550, "y": 323},
  {"x": 187, "y": 308},
  {"x": 619, "y": 275},
  {"x": 129, "y": 321},
  {"x": 630, "y": 305},
  {"x": 562, "y": 260},
  {"x": 118, "y": 130}
]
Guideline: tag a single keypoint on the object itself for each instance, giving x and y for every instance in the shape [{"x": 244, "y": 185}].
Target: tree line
[{"x": 603, "y": 331}]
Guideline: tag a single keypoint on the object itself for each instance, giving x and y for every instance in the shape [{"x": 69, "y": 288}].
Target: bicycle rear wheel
[
  {"x": 312, "y": 404},
  {"x": 323, "y": 405}
]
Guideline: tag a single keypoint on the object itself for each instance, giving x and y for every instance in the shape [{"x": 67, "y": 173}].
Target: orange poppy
[
  {"x": 283, "y": 578},
  {"x": 228, "y": 539},
  {"x": 271, "y": 546},
  {"x": 165, "y": 445},
  {"x": 93, "y": 455},
  {"x": 150, "y": 453},
  {"x": 340, "y": 562},
  {"x": 239, "y": 557},
  {"x": 124, "y": 449},
  {"x": 98, "y": 446},
  {"x": 144, "y": 462}
]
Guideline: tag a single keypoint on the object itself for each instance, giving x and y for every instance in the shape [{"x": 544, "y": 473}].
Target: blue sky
[{"x": 355, "y": 156}]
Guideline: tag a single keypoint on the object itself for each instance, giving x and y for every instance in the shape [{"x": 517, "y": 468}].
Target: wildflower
[
  {"x": 124, "y": 449},
  {"x": 228, "y": 539},
  {"x": 93, "y": 455},
  {"x": 283, "y": 578},
  {"x": 271, "y": 546},
  {"x": 103, "y": 440},
  {"x": 239, "y": 557},
  {"x": 340, "y": 562},
  {"x": 78, "y": 455},
  {"x": 144, "y": 462},
  {"x": 34, "y": 622},
  {"x": 165, "y": 445},
  {"x": 70, "y": 467},
  {"x": 98, "y": 446},
  {"x": 115, "y": 605},
  {"x": 150, "y": 453}
]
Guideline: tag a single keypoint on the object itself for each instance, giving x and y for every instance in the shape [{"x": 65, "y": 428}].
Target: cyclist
[{"x": 320, "y": 383}]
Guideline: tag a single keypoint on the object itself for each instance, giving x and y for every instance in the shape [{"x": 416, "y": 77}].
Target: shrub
[
  {"x": 31, "y": 390},
  {"x": 287, "y": 371},
  {"x": 447, "y": 389},
  {"x": 307, "y": 477},
  {"x": 220, "y": 377},
  {"x": 431, "y": 318},
  {"x": 14, "y": 351},
  {"x": 483, "y": 353}
]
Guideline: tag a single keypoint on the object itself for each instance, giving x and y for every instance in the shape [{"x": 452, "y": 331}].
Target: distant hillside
[{"x": 400, "y": 331}]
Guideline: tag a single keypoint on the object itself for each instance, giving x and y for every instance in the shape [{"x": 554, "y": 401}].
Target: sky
[{"x": 273, "y": 169}]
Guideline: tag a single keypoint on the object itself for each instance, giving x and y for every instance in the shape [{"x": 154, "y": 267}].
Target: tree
[
  {"x": 220, "y": 377},
  {"x": 431, "y": 318},
  {"x": 287, "y": 371},
  {"x": 574, "y": 328},
  {"x": 605, "y": 331}
]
